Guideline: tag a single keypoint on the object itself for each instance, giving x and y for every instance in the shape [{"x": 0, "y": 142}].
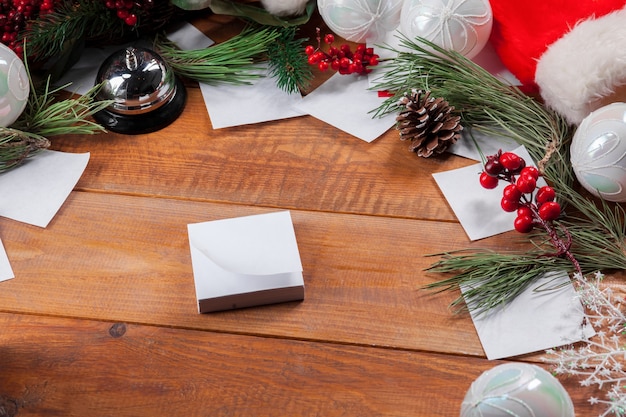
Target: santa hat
[{"x": 571, "y": 52}]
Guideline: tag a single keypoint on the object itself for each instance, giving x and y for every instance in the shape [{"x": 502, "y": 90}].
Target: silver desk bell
[{"x": 146, "y": 94}]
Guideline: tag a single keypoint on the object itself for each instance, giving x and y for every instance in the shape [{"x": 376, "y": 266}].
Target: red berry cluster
[
  {"x": 14, "y": 16},
  {"x": 518, "y": 195},
  {"x": 128, "y": 10},
  {"x": 341, "y": 59}
]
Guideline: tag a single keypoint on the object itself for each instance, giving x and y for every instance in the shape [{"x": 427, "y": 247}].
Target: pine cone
[{"x": 428, "y": 123}]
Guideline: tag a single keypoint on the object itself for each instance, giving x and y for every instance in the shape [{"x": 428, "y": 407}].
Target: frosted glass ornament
[
  {"x": 463, "y": 26},
  {"x": 361, "y": 20},
  {"x": 598, "y": 152},
  {"x": 517, "y": 389},
  {"x": 14, "y": 86}
]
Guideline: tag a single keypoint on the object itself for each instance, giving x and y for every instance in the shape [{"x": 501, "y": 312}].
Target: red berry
[
  {"x": 530, "y": 171},
  {"x": 523, "y": 224},
  {"x": 329, "y": 38},
  {"x": 545, "y": 194},
  {"x": 487, "y": 181},
  {"x": 510, "y": 161},
  {"x": 526, "y": 184},
  {"x": 323, "y": 66},
  {"x": 524, "y": 211},
  {"x": 509, "y": 205},
  {"x": 309, "y": 50},
  {"x": 511, "y": 192},
  {"x": 550, "y": 210},
  {"x": 493, "y": 167},
  {"x": 131, "y": 20}
]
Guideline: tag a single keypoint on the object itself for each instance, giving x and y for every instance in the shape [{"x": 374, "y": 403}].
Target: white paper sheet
[
  {"x": 6, "y": 272},
  {"x": 36, "y": 190},
  {"x": 489, "y": 145},
  {"x": 478, "y": 209},
  {"x": 546, "y": 315},
  {"x": 345, "y": 102},
  {"x": 244, "y": 255},
  {"x": 262, "y": 101}
]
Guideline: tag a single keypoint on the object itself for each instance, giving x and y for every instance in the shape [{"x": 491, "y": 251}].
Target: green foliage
[
  {"x": 495, "y": 107},
  {"x": 45, "y": 116},
  {"x": 242, "y": 59}
]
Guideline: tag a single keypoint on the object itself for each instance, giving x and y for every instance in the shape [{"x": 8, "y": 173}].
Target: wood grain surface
[{"x": 101, "y": 318}]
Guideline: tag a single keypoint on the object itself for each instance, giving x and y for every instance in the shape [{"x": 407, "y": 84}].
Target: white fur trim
[
  {"x": 584, "y": 67},
  {"x": 284, "y": 7}
]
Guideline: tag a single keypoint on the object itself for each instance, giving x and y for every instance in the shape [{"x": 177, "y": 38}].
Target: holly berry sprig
[
  {"x": 535, "y": 205},
  {"x": 128, "y": 10},
  {"x": 14, "y": 17},
  {"x": 342, "y": 59}
]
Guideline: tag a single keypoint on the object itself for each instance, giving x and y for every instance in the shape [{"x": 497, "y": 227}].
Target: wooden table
[{"x": 101, "y": 319}]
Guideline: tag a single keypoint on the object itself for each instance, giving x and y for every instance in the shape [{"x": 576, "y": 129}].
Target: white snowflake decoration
[{"x": 599, "y": 360}]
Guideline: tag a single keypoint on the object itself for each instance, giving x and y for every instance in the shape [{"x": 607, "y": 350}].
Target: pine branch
[
  {"x": 16, "y": 146},
  {"x": 486, "y": 103},
  {"x": 48, "y": 36},
  {"x": 288, "y": 63},
  {"x": 44, "y": 116},
  {"x": 235, "y": 61},
  {"x": 495, "y": 107}
]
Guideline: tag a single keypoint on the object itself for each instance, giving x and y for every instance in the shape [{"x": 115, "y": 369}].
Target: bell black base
[{"x": 146, "y": 122}]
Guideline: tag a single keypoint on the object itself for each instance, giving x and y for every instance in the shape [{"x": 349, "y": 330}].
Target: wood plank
[
  {"x": 296, "y": 163},
  {"x": 123, "y": 258},
  {"x": 67, "y": 367}
]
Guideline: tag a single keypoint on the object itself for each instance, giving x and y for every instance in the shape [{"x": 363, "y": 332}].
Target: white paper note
[
  {"x": 262, "y": 101},
  {"x": 345, "y": 102},
  {"x": 36, "y": 190},
  {"x": 478, "y": 209},
  {"x": 244, "y": 255},
  {"x": 6, "y": 272},
  {"x": 545, "y": 315}
]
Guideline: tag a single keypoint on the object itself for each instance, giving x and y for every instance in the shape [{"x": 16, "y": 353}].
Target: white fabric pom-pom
[
  {"x": 284, "y": 7},
  {"x": 586, "y": 68}
]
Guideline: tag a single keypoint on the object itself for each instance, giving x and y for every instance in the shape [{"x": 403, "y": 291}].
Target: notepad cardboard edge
[{"x": 251, "y": 299}]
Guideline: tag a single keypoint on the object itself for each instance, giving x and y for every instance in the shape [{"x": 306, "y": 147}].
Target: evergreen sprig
[
  {"x": 235, "y": 61},
  {"x": 288, "y": 64},
  {"x": 495, "y": 107},
  {"x": 244, "y": 58},
  {"x": 44, "y": 116},
  {"x": 71, "y": 21}
]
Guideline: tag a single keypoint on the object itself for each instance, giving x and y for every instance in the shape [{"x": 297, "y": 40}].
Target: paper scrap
[
  {"x": 6, "y": 272},
  {"x": 261, "y": 101},
  {"x": 345, "y": 102},
  {"x": 547, "y": 314},
  {"x": 35, "y": 191}
]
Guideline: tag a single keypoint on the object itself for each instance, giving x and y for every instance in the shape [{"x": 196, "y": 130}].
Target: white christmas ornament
[
  {"x": 517, "y": 389},
  {"x": 14, "y": 86},
  {"x": 598, "y": 152},
  {"x": 463, "y": 26},
  {"x": 361, "y": 20},
  {"x": 284, "y": 7}
]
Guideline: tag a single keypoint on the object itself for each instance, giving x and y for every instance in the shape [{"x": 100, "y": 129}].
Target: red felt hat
[{"x": 570, "y": 51}]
